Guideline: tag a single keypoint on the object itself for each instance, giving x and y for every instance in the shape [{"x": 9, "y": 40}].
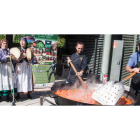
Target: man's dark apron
[{"x": 135, "y": 82}]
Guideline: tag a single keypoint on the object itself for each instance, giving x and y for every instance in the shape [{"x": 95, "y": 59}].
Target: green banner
[
  {"x": 45, "y": 36},
  {"x": 44, "y": 50},
  {"x": 44, "y": 47},
  {"x": 40, "y": 74}
]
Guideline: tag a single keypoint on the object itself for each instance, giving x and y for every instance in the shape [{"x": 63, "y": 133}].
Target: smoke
[
  {"x": 93, "y": 82},
  {"x": 83, "y": 94}
]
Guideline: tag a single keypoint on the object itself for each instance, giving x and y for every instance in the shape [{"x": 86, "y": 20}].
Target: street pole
[{"x": 106, "y": 56}]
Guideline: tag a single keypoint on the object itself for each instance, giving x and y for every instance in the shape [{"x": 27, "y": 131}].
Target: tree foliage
[
  {"x": 2, "y": 36},
  {"x": 17, "y": 37},
  {"x": 61, "y": 42}
]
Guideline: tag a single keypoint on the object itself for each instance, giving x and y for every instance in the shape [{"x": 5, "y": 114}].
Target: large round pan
[{"x": 63, "y": 101}]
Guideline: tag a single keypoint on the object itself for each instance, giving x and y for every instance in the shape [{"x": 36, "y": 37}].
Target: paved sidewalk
[{"x": 35, "y": 101}]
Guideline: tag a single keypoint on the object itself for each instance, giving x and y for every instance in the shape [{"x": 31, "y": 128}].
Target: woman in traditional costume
[
  {"x": 24, "y": 72},
  {"x": 7, "y": 75}
]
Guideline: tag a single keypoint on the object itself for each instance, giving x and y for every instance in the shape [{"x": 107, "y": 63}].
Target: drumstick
[{"x": 12, "y": 79}]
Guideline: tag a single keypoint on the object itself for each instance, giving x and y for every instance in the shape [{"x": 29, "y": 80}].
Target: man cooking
[
  {"x": 79, "y": 61},
  {"x": 133, "y": 66}
]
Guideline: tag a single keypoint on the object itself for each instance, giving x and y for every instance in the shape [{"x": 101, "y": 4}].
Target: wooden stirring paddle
[{"x": 81, "y": 80}]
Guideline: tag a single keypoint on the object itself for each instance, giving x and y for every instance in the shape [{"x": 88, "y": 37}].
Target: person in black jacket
[{"x": 79, "y": 60}]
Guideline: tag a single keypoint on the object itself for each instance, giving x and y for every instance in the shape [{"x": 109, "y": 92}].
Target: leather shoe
[
  {"x": 29, "y": 96},
  {"x": 17, "y": 97},
  {"x": 8, "y": 98}
]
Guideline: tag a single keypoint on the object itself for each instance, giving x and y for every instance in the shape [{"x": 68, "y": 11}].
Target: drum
[
  {"x": 15, "y": 53},
  {"x": 29, "y": 54}
]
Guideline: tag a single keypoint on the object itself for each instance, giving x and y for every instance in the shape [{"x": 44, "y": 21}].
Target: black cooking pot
[{"x": 63, "y": 101}]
